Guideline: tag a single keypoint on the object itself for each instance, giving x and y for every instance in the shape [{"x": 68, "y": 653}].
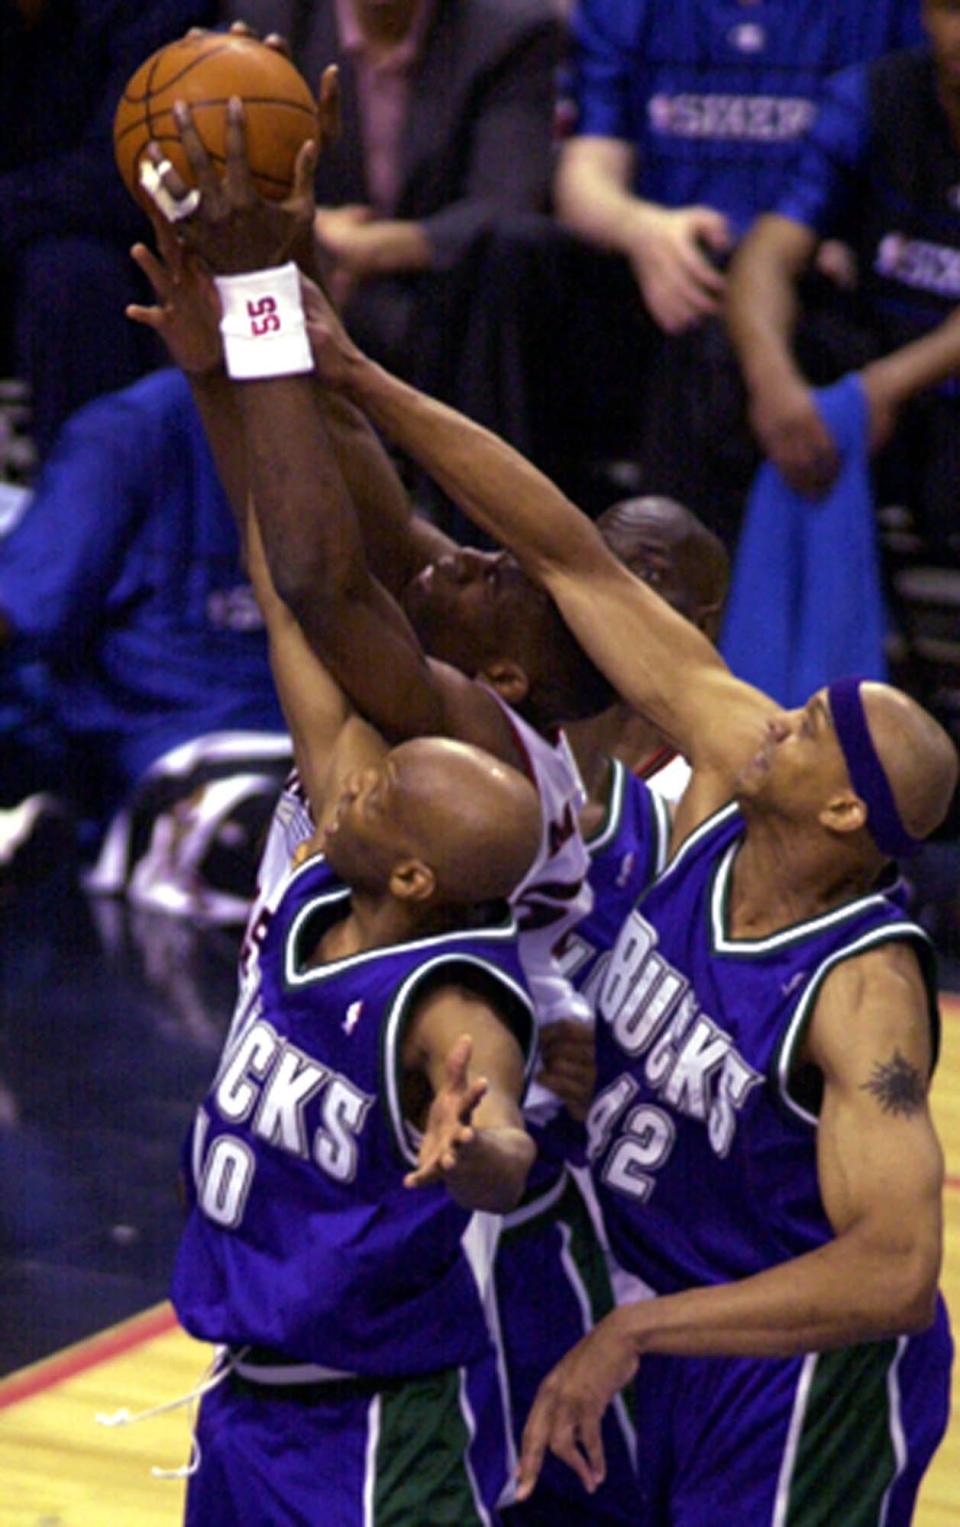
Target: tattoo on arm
[{"x": 897, "y": 1086}]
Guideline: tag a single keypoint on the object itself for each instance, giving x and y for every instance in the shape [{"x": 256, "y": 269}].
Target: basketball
[{"x": 205, "y": 71}]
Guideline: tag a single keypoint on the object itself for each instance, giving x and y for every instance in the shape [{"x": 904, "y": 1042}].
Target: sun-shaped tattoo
[{"x": 897, "y": 1086}]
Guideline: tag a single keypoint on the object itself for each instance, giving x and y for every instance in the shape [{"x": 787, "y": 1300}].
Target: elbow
[
  {"x": 918, "y": 1308},
  {"x": 910, "y": 1302},
  {"x": 314, "y": 592},
  {"x": 296, "y": 586}
]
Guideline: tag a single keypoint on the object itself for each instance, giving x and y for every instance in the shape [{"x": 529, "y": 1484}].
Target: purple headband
[{"x": 866, "y": 771}]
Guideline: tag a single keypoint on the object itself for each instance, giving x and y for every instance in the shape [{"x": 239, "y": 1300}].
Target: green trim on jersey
[
  {"x": 422, "y": 1473},
  {"x": 846, "y": 1446},
  {"x": 485, "y": 979},
  {"x": 781, "y": 1064},
  {"x": 756, "y": 948},
  {"x": 586, "y": 1253}
]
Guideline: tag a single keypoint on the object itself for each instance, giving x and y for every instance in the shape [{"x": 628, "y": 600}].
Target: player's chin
[{"x": 753, "y": 781}]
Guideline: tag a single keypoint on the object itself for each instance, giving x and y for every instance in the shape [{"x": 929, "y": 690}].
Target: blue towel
[{"x": 805, "y": 603}]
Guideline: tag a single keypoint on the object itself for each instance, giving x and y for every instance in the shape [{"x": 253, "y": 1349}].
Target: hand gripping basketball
[
  {"x": 229, "y": 223},
  {"x": 205, "y": 69}
]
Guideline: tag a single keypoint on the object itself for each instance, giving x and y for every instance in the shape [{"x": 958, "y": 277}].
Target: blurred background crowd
[{"x": 707, "y": 249}]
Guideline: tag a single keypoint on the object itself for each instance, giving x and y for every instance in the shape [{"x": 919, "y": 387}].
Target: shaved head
[
  {"x": 671, "y": 549},
  {"x": 474, "y": 820}
]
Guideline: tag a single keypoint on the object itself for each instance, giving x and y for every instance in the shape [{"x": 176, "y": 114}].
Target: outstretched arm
[
  {"x": 880, "y": 1172},
  {"x": 307, "y": 519},
  {"x": 474, "y": 1141},
  {"x": 659, "y": 663}
]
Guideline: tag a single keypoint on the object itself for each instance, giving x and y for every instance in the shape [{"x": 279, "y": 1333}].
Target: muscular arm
[
  {"x": 318, "y": 565},
  {"x": 397, "y": 544},
  {"x": 661, "y": 665},
  {"x": 880, "y": 1172},
  {"x": 329, "y": 739},
  {"x": 474, "y": 1141}
]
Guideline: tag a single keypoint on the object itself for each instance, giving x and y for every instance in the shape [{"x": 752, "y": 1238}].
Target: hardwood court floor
[{"x": 109, "y": 1028}]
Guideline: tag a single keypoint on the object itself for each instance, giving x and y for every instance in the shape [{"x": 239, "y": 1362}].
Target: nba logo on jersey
[{"x": 353, "y": 1017}]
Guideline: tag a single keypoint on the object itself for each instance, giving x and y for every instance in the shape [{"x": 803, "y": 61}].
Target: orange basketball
[{"x": 205, "y": 71}]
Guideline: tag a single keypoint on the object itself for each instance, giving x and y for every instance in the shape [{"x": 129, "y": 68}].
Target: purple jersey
[
  {"x": 626, "y": 854},
  {"x": 702, "y": 1146},
  {"x": 302, "y": 1238}
]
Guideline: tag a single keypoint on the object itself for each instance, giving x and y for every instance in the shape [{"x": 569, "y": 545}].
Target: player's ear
[
  {"x": 843, "y": 812},
  {"x": 412, "y": 880},
  {"x": 510, "y": 680}
]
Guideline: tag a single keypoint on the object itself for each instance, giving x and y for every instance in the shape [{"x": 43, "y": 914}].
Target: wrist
[
  {"x": 633, "y": 1325},
  {"x": 643, "y": 224},
  {"x": 263, "y": 324}
]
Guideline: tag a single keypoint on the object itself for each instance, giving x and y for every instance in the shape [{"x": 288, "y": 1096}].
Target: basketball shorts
[
  {"x": 429, "y": 1451},
  {"x": 552, "y": 1283},
  {"x": 834, "y": 1439}
]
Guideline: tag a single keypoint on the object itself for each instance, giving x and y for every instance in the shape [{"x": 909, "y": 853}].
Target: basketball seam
[{"x": 250, "y": 100}]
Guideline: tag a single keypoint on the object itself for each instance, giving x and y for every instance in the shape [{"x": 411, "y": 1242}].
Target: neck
[
  {"x": 786, "y": 874},
  {"x": 376, "y": 922},
  {"x": 616, "y": 733}
]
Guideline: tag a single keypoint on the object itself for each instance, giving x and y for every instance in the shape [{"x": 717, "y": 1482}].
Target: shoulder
[
  {"x": 476, "y": 979},
  {"x": 876, "y": 997}
]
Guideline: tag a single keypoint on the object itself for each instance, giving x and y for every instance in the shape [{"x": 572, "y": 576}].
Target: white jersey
[
  {"x": 290, "y": 825},
  {"x": 555, "y": 893},
  {"x": 671, "y": 778}
]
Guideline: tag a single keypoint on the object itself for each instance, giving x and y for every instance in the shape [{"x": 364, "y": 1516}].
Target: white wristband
[{"x": 263, "y": 328}]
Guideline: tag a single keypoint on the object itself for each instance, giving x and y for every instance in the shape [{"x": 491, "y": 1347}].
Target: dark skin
[
  {"x": 463, "y": 1068},
  {"x": 317, "y": 554},
  {"x": 667, "y": 547},
  {"x": 806, "y": 849}
]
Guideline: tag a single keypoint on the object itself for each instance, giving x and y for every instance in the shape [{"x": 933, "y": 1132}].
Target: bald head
[
  {"x": 918, "y": 757},
  {"x": 671, "y": 549},
  {"x": 472, "y": 819}
]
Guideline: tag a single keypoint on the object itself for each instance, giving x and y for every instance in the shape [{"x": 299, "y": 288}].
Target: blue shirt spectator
[
  {"x": 714, "y": 98},
  {"x": 125, "y": 576},
  {"x": 880, "y": 168}
]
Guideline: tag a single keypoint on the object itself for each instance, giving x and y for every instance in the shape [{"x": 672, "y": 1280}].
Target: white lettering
[
  {"x": 605, "y": 1110},
  {"x": 334, "y": 1144},
  {"x": 236, "y": 1092},
  {"x": 731, "y": 118},
  {"x": 918, "y": 264},
  {"x": 294, "y": 1081},
  {"x": 701, "y": 1054},
  {"x": 737, "y": 1079},
  {"x": 645, "y": 1146},
  {"x": 226, "y": 1181}
]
